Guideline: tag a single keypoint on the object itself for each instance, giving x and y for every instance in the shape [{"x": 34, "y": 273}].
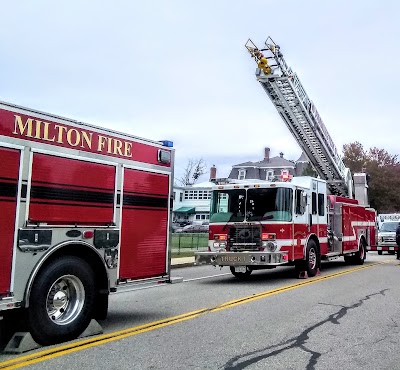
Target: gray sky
[{"x": 179, "y": 70}]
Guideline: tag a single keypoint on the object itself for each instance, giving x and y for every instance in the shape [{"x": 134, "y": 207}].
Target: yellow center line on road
[{"x": 107, "y": 338}]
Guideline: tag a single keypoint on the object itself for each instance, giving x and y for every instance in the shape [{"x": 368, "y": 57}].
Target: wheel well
[
  {"x": 87, "y": 254},
  {"x": 315, "y": 239},
  {"x": 364, "y": 240}
]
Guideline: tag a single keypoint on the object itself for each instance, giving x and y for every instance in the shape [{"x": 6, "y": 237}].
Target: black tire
[
  {"x": 241, "y": 275},
  {"x": 359, "y": 257},
  {"x": 349, "y": 260},
  {"x": 61, "y": 301},
  {"x": 312, "y": 262},
  {"x": 380, "y": 253}
]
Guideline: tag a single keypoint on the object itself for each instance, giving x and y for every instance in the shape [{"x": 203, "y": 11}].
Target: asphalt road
[{"x": 346, "y": 318}]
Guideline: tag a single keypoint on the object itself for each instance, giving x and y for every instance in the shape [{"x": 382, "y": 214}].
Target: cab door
[
  {"x": 319, "y": 220},
  {"x": 300, "y": 223}
]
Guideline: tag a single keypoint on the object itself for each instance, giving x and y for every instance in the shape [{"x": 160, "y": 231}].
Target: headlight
[
  {"x": 219, "y": 245},
  {"x": 271, "y": 246}
]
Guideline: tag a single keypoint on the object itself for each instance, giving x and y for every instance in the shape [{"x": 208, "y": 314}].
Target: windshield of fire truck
[
  {"x": 236, "y": 205},
  {"x": 272, "y": 204},
  {"x": 228, "y": 205}
]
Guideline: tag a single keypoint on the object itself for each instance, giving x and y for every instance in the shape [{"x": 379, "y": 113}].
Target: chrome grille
[
  {"x": 388, "y": 239},
  {"x": 246, "y": 237}
]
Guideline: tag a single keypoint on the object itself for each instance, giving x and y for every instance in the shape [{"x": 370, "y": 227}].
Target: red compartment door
[
  {"x": 9, "y": 170},
  {"x": 143, "y": 248},
  {"x": 71, "y": 191}
]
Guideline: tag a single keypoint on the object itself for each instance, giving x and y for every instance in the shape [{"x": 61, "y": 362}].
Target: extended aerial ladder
[{"x": 301, "y": 116}]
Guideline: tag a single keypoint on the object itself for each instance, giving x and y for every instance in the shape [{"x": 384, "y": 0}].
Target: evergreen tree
[{"x": 309, "y": 171}]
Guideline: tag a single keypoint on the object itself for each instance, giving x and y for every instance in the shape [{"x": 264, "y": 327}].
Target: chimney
[
  {"x": 213, "y": 172},
  {"x": 281, "y": 154},
  {"x": 266, "y": 154}
]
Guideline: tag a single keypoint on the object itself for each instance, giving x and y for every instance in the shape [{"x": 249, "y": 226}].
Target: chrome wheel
[
  {"x": 362, "y": 251},
  {"x": 65, "y": 299},
  {"x": 312, "y": 258}
]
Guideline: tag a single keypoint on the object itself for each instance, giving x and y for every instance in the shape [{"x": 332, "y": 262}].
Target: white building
[{"x": 192, "y": 203}]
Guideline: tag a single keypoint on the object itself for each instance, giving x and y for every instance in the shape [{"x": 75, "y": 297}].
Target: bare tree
[{"x": 192, "y": 172}]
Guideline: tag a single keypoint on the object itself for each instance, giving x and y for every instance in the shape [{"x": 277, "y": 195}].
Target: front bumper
[
  {"x": 387, "y": 244},
  {"x": 241, "y": 258},
  {"x": 382, "y": 246}
]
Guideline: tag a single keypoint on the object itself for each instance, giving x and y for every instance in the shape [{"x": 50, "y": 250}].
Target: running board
[{"x": 331, "y": 256}]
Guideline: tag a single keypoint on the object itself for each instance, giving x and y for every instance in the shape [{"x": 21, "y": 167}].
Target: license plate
[{"x": 240, "y": 268}]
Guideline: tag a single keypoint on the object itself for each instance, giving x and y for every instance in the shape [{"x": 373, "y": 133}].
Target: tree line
[{"x": 383, "y": 170}]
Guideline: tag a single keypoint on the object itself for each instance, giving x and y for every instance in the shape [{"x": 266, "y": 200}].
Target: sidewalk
[{"x": 182, "y": 262}]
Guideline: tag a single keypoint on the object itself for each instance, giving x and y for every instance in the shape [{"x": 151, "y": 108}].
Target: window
[
  {"x": 173, "y": 196},
  {"x": 202, "y": 217},
  {"x": 272, "y": 204},
  {"x": 228, "y": 205},
  {"x": 300, "y": 202},
  {"x": 237, "y": 205},
  {"x": 389, "y": 226},
  {"x": 198, "y": 194},
  {"x": 180, "y": 197},
  {"x": 321, "y": 204},
  {"x": 314, "y": 202},
  {"x": 242, "y": 174},
  {"x": 269, "y": 175}
]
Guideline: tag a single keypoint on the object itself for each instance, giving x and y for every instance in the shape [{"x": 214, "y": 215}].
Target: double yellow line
[{"x": 107, "y": 338}]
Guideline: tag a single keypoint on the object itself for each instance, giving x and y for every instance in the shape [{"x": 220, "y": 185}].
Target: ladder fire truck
[
  {"x": 298, "y": 221},
  {"x": 84, "y": 210}
]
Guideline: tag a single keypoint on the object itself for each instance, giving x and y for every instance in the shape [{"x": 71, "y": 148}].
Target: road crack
[{"x": 300, "y": 341}]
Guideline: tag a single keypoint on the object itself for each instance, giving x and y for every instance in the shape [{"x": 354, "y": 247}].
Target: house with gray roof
[{"x": 270, "y": 168}]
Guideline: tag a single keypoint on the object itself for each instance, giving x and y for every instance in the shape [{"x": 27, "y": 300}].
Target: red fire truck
[
  {"x": 298, "y": 221},
  {"x": 84, "y": 210}
]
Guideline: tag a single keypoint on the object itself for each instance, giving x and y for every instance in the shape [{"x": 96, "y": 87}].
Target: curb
[{"x": 179, "y": 265}]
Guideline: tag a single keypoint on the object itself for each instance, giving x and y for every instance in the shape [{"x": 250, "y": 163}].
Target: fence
[{"x": 184, "y": 244}]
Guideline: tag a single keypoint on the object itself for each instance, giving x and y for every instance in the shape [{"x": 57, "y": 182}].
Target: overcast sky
[{"x": 179, "y": 70}]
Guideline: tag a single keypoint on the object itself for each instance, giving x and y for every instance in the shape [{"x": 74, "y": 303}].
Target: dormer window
[
  {"x": 242, "y": 174},
  {"x": 269, "y": 176}
]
